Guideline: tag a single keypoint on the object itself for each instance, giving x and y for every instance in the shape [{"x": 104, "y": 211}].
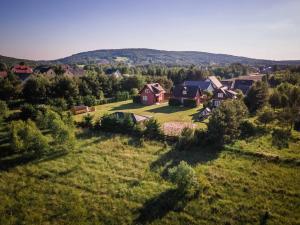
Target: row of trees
[{"x": 39, "y": 89}]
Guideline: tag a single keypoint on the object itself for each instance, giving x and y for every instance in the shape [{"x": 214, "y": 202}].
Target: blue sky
[{"x": 50, "y": 29}]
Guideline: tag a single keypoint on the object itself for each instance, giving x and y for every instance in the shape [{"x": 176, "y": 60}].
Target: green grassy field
[
  {"x": 110, "y": 179},
  {"x": 163, "y": 112}
]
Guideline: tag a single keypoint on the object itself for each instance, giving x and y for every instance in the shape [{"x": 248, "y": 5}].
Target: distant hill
[{"x": 150, "y": 56}]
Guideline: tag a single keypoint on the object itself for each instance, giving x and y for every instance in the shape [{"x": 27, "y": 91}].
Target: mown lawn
[
  {"x": 111, "y": 179},
  {"x": 163, "y": 112}
]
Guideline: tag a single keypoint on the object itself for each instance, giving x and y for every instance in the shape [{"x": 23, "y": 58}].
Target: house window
[
  {"x": 145, "y": 98},
  {"x": 147, "y": 91},
  {"x": 217, "y": 103},
  {"x": 220, "y": 95}
]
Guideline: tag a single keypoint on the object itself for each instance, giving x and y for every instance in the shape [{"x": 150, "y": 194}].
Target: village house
[
  {"x": 44, "y": 70},
  {"x": 209, "y": 85},
  {"x": 152, "y": 94},
  {"x": 242, "y": 83},
  {"x": 182, "y": 92},
  {"x": 202, "y": 85},
  {"x": 222, "y": 94},
  {"x": 22, "y": 71}
]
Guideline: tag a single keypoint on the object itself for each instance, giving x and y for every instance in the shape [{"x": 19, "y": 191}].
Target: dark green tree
[
  {"x": 224, "y": 123},
  {"x": 257, "y": 96}
]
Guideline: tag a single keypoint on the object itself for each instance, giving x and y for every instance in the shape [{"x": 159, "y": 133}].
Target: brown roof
[
  {"x": 215, "y": 81},
  {"x": 155, "y": 88}
]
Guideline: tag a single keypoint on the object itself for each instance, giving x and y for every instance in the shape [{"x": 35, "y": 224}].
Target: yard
[
  {"x": 110, "y": 179},
  {"x": 162, "y": 112}
]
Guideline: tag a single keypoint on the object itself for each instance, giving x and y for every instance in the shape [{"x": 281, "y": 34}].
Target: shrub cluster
[
  {"x": 112, "y": 123},
  {"x": 174, "y": 102},
  {"x": 25, "y": 137},
  {"x": 190, "y": 103},
  {"x": 136, "y": 99}
]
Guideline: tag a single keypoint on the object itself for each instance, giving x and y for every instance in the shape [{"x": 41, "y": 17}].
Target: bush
[
  {"x": 174, "y": 102},
  {"x": 109, "y": 123},
  {"x": 87, "y": 121},
  {"x": 190, "y": 103},
  {"x": 26, "y": 137},
  {"x": 59, "y": 103},
  {"x": 28, "y": 111},
  {"x": 186, "y": 139},
  {"x": 280, "y": 138},
  {"x": 184, "y": 177},
  {"x": 63, "y": 135},
  {"x": 266, "y": 115},
  {"x": 3, "y": 110},
  {"x": 224, "y": 123},
  {"x": 200, "y": 136},
  {"x": 122, "y": 95},
  {"x": 89, "y": 100},
  {"x": 136, "y": 99},
  {"x": 134, "y": 91},
  {"x": 152, "y": 129},
  {"x": 247, "y": 129},
  {"x": 112, "y": 123}
]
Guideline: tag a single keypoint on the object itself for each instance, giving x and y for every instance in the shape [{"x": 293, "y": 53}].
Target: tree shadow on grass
[
  {"x": 22, "y": 159},
  {"x": 193, "y": 156},
  {"x": 127, "y": 106},
  {"x": 167, "y": 109},
  {"x": 159, "y": 206}
]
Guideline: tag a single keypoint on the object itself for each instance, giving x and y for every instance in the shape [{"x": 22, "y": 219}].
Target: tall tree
[{"x": 257, "y": 96}]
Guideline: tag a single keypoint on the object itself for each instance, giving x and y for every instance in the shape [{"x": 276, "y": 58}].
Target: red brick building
[{"x": 152, "y": 94}]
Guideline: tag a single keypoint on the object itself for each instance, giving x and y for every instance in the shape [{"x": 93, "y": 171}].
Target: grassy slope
[
  {"x": 111, "y": 180},
  {"x": 163, "y": 113}
]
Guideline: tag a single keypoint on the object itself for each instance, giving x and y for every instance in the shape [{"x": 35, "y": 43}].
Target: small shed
[{"x": 82, "y": 109}]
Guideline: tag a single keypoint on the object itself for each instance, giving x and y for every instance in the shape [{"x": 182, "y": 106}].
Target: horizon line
[{"x": 144, "y": 48}]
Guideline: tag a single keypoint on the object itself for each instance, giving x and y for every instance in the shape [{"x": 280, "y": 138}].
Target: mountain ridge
[{"x": 146, "y": 56}]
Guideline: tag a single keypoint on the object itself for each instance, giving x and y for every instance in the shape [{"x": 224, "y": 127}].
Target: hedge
[
  {"x": 174, "y": 102},
  {"x": 136, "y": 99},
  {"x": 191, "y": 103}
]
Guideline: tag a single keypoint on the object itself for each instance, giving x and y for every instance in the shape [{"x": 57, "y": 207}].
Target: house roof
[
  {"x": 214, "y": 80},
  {"x": 243, "y": 85},
  {"x": 79, "y": 107},
  {"x": 202, "y": 85},
  {"x": 185, "y": 91},
  {"x": 22, "y": 69},
  {"x": 227, "y": 83},
  {"x": 42, "y": 69},
  {"x": 155, "y": 88},
  {"x": 135, "y": 117}
]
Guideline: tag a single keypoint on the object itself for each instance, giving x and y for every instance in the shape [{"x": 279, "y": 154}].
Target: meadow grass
[
  {"x": 112, "y": 179},
  {"x": 162, "y": 112}
]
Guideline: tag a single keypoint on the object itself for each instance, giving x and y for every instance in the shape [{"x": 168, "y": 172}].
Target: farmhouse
[
  {"x": 183, "y": 92},
  {"x": 152, "y": 94},
  {"x": 22, "y": 71}
]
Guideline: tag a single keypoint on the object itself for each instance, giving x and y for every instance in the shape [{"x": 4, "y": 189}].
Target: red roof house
[
  {"x": 23, "y": 71},
  {"x": 152, "y": 93}
]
